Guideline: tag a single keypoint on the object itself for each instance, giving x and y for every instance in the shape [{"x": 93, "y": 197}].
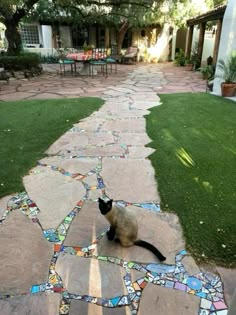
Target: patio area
[{"x": 166, "y": 78}]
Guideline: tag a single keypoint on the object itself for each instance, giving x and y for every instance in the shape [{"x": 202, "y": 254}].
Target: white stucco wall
[
  {"x": 208, "y": 46},
  {"x": 161, "y": 48},
  {"x": 47, "y": 36},
  {"x": 227, "y": 40},
  {"x": 65, "y": 35}
]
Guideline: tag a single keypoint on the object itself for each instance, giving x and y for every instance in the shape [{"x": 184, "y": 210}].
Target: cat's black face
[{"x": 104, "y": 206}]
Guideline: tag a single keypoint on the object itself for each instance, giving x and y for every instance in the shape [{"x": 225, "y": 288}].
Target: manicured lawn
[
  {"x": 28, "y": 128},
  {"x": 195, "y": 163}
]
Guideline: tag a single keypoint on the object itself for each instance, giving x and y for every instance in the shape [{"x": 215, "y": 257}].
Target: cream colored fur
[{"x": 126, "y": 225}]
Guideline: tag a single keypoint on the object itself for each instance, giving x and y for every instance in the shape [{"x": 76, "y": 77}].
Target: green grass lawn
[
  {"x": 195, "y": 163},
  {"x": 28, "y": 128}
]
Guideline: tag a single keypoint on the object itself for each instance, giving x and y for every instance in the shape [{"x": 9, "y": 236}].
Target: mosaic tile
[
  {"x": 194, "y": 283},
  {"x": 224, "y": 312},
  {"x": 203, "y": 312},
  {"x": 205, "y": 304},
  {"x": 219, "y": 305}
]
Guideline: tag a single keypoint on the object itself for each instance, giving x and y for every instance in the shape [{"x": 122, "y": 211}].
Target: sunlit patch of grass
[{"x": 184, "y": 157}]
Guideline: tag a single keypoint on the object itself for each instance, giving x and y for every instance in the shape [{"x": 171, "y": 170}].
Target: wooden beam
[
  {"x": 189, "y": 41},
  {"x": 107, "y": 37},
  {"x": 213, "y": 15},
  {"x": 201, "y": 40},
  {"x": 217, "y": 40}
]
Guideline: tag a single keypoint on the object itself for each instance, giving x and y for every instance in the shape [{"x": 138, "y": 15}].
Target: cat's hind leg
[{"x": 111, "y": 233}]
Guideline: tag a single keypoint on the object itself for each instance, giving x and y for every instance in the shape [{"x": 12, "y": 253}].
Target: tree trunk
[
  {"x": 121, "y": 34},
  {"x": 13, "y": 37}
]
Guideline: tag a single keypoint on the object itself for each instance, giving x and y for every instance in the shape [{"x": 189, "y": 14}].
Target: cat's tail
[{"x": 150, "y": 247}]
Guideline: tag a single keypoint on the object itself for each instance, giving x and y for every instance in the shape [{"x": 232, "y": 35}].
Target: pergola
[{"x": 215, "y": 14}]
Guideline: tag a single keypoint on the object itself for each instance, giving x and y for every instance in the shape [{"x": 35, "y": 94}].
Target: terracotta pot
[
  {"x": 189, "y": 67},
  {"x": 228, "y": 89}
]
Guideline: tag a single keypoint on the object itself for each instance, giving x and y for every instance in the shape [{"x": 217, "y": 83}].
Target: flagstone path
[{"x": 55, "y": 256}]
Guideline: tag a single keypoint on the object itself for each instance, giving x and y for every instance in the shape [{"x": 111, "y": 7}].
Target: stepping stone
[
  {"x": 126, "y": 125},
  {"x": 25, "y": 255},
  {"x": 86, "y": 226},
  {"x": 49, "y": 190},
  {"x": 132, "y": 182},
  {"x": 167, "y": 302},
  {"x": 67, "y": 142},
  {"x": 79, "y": 307},
  {"x": 38, "y": 304},
  {"x": 88, "y": 276}
]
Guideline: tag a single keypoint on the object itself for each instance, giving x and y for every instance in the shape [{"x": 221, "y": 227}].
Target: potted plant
[
  {"x": 180, "y": 58},
  {"x": 207, "y": 72},
  {"x": 189, "y": 64},
  {"x": 228, "y": 74}
]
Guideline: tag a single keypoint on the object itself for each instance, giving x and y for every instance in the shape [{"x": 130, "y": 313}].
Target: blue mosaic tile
[
  {"x": 194, "y": 283},
  {"x": 160, "y": 268}
]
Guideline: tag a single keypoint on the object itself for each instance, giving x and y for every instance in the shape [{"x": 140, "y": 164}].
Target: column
[
  {"x": 201, "y": 40},
  {"x": 107, "y": 37},
  {"x": 227, "y": 40},
  {"x": 189, "y": 41},
  {"x": 217, "y": 41}
]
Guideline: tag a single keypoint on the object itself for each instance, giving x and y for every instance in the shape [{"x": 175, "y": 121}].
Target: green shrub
[
  {"x": 49, "y": 59},
  {"x": 180, "y": 58},
  {"x": 25, "y": 61}
]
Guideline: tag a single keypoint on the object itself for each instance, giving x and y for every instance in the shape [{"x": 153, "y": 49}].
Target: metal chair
[
  {"x": 113, "y": 58},
  {"x": 98, "y": 58},
  {"x": 64, "y": 62}
]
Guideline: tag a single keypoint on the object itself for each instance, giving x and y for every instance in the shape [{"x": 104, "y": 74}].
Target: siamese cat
[{"x": 124, "y": 227}]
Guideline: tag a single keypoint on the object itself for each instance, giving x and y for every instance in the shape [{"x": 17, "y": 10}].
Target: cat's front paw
[{"x": 111, "y": 233}]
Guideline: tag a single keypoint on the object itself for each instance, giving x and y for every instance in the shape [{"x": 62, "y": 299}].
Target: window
[
  {"x": 29, "y": 34},
  {"x": 80, "y": 35}
]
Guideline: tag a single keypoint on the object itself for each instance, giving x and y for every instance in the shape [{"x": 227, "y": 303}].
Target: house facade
[{"x": 153, "y": 41}]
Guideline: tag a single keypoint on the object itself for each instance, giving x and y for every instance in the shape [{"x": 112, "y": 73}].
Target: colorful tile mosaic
[{"x": 208, "y": 287}]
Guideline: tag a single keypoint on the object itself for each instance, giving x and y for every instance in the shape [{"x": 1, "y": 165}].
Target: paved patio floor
[{"x": 55, "y": 256}]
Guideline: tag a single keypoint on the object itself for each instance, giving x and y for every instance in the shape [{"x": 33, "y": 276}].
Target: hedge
[{"x": 25, "y": 61}]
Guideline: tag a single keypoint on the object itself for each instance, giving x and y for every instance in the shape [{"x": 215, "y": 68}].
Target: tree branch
[
  {"x": 24, "y": 10},
  {"x": 5, "y": 11},
  {"x": 144, "y": 4}
]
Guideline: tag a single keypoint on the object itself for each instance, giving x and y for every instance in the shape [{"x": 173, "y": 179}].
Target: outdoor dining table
[{"x": 83, "y": 58}]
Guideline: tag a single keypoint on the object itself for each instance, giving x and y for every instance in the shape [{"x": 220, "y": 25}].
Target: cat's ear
[
  {"x": 110, "y": 201},
  {"x": 100, "y": 200}
]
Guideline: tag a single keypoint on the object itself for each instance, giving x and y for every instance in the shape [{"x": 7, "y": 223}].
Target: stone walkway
[{"x": 56, "y": 258}]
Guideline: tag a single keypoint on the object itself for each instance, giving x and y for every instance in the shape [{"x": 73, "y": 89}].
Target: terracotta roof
[{"x": 214, "y": 14}]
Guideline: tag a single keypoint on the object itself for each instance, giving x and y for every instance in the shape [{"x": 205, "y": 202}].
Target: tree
[
  {"x": 11, "y": 12},
  {"x": 121, "y": 14}
]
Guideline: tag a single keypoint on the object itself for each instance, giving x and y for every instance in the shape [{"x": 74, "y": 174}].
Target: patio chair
[
  {"x": 64, "y": 62},
  {"x": 98, "y": 58},
  {"x": 113, "y": 58},
  {"x": 131, "y": 55}
]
